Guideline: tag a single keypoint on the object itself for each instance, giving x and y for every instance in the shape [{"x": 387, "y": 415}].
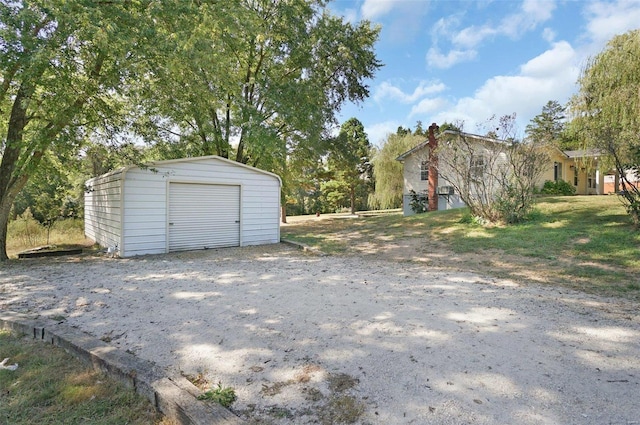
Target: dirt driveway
[{"x": 306, "y": 339}]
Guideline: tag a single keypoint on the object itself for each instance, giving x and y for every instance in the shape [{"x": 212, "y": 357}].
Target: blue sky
[{"x": 470, "y": 60}]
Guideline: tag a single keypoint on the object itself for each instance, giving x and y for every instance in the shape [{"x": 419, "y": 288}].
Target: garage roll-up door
[{"x": 203, "y": 216}]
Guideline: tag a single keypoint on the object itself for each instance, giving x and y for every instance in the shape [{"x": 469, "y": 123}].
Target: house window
[
  {"x": 476, "y": 169},
  {"x": 557, "y": 171},
  {"x": 424, "y": 171},
  {"x": 575, "y": 176}
]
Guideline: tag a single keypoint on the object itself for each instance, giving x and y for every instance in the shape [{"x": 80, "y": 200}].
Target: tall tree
[
  {"x": 547, "y": 127},
  {"x": 251, "y": 79},
  {"x": 63, "y": 67},
  {"x": 607, "y": 110},
  {"x": 388, "y": 172},
  {"x": 349, "y": 160}
]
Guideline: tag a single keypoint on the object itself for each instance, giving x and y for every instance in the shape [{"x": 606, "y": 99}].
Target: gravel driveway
[{"x": 306, "y": 339}]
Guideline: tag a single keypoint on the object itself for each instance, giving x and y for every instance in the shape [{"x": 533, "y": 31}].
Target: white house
[
  {"x": 182, "y": 204},
  {"x": 423, "y": 170},
  {"x": 423, "y": 179}
]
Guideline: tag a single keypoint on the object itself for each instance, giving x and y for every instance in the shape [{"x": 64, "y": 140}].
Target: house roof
[
  {"x": 583, "y": 153},
  {"x": 572, "y": 154},
  {"x": 410, "y": 152}
]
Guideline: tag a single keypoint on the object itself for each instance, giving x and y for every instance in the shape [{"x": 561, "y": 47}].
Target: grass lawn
[
  {"x": 584, "y": 242},
  {"x": 52, "y": 387}
]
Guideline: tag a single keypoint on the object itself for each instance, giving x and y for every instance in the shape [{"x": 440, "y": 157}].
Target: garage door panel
[{"x": 203, "y": 216}]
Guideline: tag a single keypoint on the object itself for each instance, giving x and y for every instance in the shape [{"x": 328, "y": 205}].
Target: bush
[
  {"x": 513, "y": 204},
  {"x": 419, "y": 202},
  {"x": 559, "y": 187}
]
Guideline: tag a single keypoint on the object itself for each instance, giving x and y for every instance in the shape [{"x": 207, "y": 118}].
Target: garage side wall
[
  {"x": 146, "y": 199},
  {"x": 103, "y": 209}
]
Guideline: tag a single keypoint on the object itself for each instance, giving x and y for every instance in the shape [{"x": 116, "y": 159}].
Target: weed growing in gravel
[{"x": 221, "y": 395}]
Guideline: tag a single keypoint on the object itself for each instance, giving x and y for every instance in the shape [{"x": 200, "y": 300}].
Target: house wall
[
  {"x": 567, "y": 173},
  {"x": 103, "y": 209},
  {"x": 412, "y": 179},
  {"x": 412, "y": 175},
  {"x": 549, "y": 172},
  {"x": 145, "y": 202}
]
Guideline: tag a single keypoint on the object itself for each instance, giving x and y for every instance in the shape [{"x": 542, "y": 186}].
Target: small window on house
[
  {"x": 476, "y": 169},
  {"x": 557, "y": 171},
  {"x": 575, "y": 175},
  {"x": 424, "y": 171}
]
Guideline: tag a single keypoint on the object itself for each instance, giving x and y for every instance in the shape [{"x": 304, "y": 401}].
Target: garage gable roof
[{"x": 153, "y": 164}]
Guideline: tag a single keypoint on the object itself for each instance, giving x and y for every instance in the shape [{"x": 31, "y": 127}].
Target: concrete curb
[
  {"x": 303, "y": 247},
  {"x": 172, "y": 395}
]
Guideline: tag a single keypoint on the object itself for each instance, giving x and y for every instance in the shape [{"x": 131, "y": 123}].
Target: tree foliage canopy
[
  {"x": 387, "y": 171},
  {"x": 548, "y": 126},
  {"x": 247, "y": 79},
  {"x": 64, "y": 67},
  {"x": 349, "y": 161},
  {"x": 606, "y": 111}
]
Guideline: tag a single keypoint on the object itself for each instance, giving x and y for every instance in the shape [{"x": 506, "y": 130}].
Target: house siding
[
  {"x": 584, "y": 167},
  {"x": 412, "y": 178}
]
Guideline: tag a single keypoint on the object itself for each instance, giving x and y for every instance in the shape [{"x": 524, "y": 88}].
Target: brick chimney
[{"x": 432, "y": 191}]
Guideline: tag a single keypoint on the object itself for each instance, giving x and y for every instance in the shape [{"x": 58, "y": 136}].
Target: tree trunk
[
  {"x": 283, "y": 214},
  {"x": 5, "y": 209},
  {"x": 10, "y": 184}
]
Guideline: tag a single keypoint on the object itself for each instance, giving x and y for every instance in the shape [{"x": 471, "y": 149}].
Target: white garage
[{"x": 182, "y": 204}]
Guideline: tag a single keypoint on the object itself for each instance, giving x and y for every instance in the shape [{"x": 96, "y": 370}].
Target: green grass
[
  {"x": 586, "y": 242},
  {"x": 52, "y": 387}
]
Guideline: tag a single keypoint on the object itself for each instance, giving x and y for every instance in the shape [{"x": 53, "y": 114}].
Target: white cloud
[
  {"x": 444, "y": 27},
  {"x": 424, "y": 88},
  {"x": 548, "y": 34},
  {"x": 549, "y": 76},
  {"x": 531, "y": 14},
  {"x": 606, "y": 20},
  {"x": 378, "y": 133},
  {"x": 427, "y": 106},
  {"x": 465, "y": 41},
  {"x": 550, "y": 63},
  {"x": 375, "y": 8},
  {"x": 442, "y": 61},
  {"x": 472, "y": 36}
]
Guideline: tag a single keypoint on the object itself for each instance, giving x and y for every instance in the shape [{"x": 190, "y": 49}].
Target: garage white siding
[
  {"x": 147, "y": 201},
  {"x": 203, "y": 216},
  {"x": 103, "y": 209}
]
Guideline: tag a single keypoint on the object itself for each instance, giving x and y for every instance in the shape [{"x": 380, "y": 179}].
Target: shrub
[
  {"x": 419, "y": 202},
  {"x": 559, "y": 187},
  {"x": 513, "y": 204}
]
